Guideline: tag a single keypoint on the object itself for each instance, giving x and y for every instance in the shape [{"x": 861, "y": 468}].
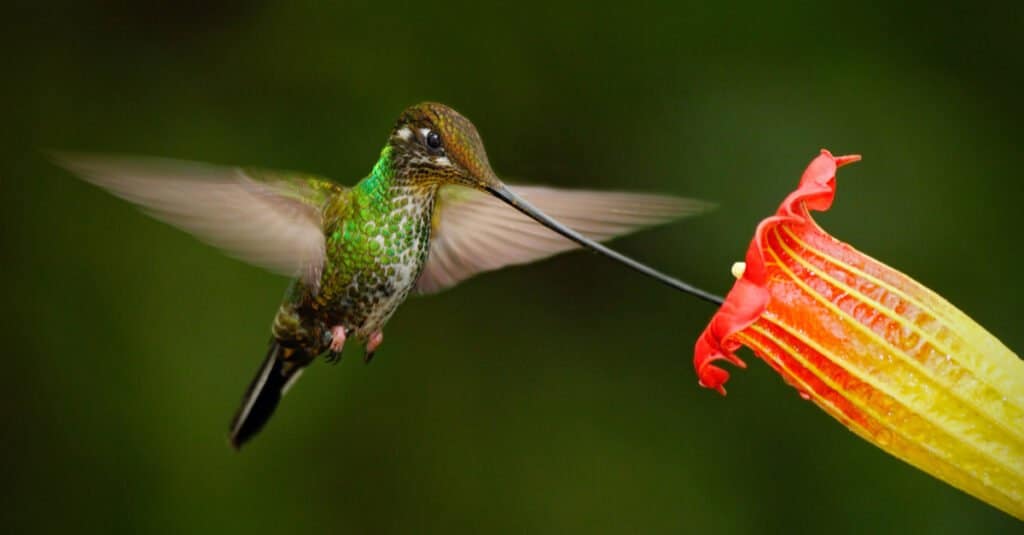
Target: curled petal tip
[
  {"x": 849, "y": 158},
  {"x": 713, "y": 377},
  {"x": 709, "y": 375}
]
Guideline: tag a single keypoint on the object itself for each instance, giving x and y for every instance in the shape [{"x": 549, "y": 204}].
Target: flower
[{"x": 890, "y": 359}]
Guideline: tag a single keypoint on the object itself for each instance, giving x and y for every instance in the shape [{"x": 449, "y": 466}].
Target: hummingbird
[{"x": 431, "y": 213}]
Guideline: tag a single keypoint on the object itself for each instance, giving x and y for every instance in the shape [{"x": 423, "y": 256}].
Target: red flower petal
[{"x": 749, "y": 296}]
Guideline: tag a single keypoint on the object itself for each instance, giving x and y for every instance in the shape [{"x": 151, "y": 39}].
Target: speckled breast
[{"x": 375, "y": 255}]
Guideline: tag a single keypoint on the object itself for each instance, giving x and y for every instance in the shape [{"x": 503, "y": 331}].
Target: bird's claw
[
  {"x": 336, "y": 344},
  {"x": 372, "y": 344}
]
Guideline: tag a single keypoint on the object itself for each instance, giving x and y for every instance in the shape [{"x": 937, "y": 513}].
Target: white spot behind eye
[
  {"x": 424, "y": 132},
  {"x": 404, "y": 133}
]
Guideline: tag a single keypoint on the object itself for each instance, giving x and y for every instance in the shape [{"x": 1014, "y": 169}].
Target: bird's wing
[
  {"x": 474, "y": 232},
  {"x": 269, "y": 219}
]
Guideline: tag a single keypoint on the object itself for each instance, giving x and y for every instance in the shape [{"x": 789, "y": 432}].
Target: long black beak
[{"x": 520, "y": 204}]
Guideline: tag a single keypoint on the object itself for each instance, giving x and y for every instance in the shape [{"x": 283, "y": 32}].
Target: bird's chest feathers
[{"x": 375, "y": 254}]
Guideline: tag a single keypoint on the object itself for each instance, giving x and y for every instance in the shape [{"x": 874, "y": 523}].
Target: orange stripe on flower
[{"x": 887, "y": 357}]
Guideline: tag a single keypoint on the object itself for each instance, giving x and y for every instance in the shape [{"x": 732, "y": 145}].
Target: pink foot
[
  {"x": 337, "y": 339},
  {"x": 372, "y": 344}
]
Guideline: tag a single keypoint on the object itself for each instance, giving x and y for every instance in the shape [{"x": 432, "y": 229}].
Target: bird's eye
[{"x": 433, "y": 140}]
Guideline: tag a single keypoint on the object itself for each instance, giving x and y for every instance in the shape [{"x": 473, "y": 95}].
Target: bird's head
[{"x": 434, "y": 144}]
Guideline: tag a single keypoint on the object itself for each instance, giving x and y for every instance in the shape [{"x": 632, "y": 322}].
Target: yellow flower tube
[{"x": 890, "y": 359}]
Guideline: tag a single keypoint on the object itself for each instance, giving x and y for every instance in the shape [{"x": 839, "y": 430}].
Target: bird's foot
[
  {"x": 336, "y": 345},
  {"x": 372, "y": 344}
]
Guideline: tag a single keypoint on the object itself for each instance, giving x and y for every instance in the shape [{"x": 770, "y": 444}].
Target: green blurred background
[{"x": 558, "y": 397}]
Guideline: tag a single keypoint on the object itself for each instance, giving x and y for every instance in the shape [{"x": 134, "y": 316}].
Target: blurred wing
[
  {"x": 271, "y": 220},
  {"x": 475, "y": 232}
]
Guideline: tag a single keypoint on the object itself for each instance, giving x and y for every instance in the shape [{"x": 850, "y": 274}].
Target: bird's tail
[{"x": 279, "y": 370}]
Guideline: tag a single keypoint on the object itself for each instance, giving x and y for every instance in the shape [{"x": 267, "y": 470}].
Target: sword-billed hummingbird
[{"x": 430, "y": 214}]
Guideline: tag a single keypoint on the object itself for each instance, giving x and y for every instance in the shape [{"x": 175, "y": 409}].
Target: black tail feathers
[{"x": 279, "y": 370}]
